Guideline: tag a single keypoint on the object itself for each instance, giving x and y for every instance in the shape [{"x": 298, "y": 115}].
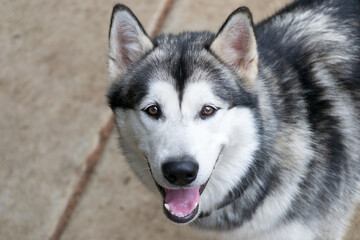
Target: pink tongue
[{"x": 182, "y": 201}]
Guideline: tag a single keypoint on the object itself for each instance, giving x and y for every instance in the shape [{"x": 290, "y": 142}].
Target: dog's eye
[
  {"x": 207, "y": 111},
  {"x": 153, "y": 111}
]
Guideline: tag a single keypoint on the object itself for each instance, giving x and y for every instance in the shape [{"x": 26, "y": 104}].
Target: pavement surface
[{"x": 59, "y": 176}]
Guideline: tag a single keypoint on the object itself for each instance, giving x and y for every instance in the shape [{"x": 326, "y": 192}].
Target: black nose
[{"x": 180, "y": 173}]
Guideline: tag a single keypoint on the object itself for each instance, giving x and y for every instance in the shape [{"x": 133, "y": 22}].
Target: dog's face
[{"x": 182, "y": 111}]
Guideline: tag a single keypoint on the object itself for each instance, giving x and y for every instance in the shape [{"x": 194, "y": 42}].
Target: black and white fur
[{"x": 280, "y": 155}]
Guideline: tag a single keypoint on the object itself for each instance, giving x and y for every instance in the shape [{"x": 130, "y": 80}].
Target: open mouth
[{"x": 181, "y": 205}]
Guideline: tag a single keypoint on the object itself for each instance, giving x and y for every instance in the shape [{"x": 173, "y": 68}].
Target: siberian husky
[{"x": 253, "y": 132}]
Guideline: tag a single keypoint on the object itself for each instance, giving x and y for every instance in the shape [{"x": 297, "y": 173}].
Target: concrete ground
[{"x": 59, "y": 177}]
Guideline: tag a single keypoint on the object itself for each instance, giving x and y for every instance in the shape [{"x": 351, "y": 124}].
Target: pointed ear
[
  {"x": 235, "y": 45},
  {"x": 128, "y": 41}
]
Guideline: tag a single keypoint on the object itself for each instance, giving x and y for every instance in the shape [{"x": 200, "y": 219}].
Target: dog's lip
[
  {"x": 184, "y": 219},
  {"x": 162, "y": 191}
]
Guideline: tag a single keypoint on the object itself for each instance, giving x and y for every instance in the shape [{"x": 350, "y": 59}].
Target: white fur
[
  {"x": 292, "y": 231},
  {"x": 239, "y": 127}
]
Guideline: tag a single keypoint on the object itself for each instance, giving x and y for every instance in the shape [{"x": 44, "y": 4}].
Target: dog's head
[{"x": 185, "y": 108}]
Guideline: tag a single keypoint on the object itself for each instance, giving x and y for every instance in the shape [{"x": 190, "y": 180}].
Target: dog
[{"x": 253, "y": 132}]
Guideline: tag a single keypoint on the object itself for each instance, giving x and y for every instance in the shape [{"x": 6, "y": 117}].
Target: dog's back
[{"x": 309, "y": 58}]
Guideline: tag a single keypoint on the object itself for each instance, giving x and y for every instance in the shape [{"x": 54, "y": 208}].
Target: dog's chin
[{"x": 181, "y": 205}]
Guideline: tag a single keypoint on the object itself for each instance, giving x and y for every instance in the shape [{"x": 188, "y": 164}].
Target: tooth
[{"x": 167, "y": 206}]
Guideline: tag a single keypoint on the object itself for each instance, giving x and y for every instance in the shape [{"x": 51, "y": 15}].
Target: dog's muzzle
[{"x": 181, "y": 203}]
